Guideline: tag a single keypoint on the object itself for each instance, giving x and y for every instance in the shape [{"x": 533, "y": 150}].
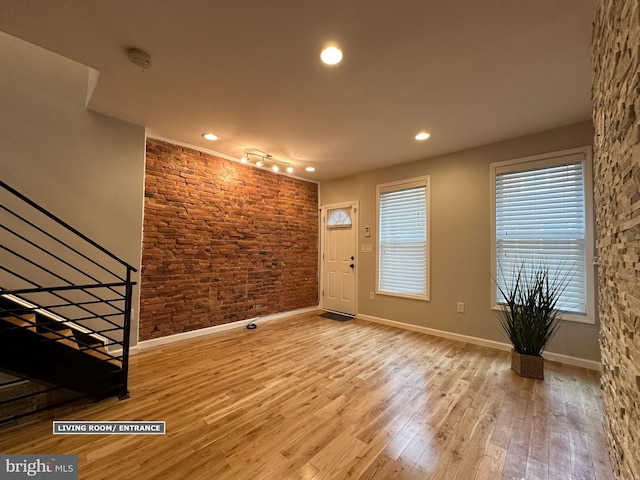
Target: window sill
[
  {"x": 566, "y": 317},
  {"x": 402, "y": 295}
]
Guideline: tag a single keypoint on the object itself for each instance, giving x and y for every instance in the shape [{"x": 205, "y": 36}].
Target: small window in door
[{"x": 339, "y": 218}]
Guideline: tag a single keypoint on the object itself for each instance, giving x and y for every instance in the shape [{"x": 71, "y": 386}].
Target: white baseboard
[
  {"x": 178, "y": 337},
  {"x": 554, "y": 357},
  {"x": 575, "y": 361}
]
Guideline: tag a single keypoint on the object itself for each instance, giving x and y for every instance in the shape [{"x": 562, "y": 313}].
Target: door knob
[{"x": 352, "y": 265}]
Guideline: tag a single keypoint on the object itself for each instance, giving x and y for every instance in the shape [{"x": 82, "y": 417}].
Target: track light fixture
[{"x": 253, "y": 156}]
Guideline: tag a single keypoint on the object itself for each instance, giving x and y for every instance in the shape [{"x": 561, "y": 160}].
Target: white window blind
[
  {"x": 540, "y": 219},
  {"x": 402, "y": 243}
]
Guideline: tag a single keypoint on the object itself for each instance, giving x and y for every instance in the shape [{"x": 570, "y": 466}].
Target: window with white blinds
[
  {"x": 403, "y": 247},
  {"x": 541, "y": 219}
]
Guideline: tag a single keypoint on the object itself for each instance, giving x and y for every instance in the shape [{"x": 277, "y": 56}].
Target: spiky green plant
[{"x": 530, "y": 316}]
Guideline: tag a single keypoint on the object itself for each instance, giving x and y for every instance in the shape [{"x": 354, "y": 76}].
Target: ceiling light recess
[
  {"x": 331, "y": 55},
  {"x": 210, "y": 136},
  {"x": 422, "y": 136}
]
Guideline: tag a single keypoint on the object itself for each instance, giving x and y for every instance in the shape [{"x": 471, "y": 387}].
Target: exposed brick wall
[
  {"x": 616, "y": 106},
  {"x": 222, "y": 242}
]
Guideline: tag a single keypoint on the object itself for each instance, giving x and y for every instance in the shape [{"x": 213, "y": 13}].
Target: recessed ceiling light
[
  {"x": 209, "y": 136},
  {"x": 289, "y": 169},
  {"x": 422, "y": 136},
  {"x": 310, "y": 169},
  {"x": 243, "y": 160},
  {"x": 331, "y": 55}
]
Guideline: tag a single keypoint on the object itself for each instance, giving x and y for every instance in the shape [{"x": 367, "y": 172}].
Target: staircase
[{"x": 65, "y": 312}]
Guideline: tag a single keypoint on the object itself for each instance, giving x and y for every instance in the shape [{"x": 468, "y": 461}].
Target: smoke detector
[{"x": 139, "y": 58}]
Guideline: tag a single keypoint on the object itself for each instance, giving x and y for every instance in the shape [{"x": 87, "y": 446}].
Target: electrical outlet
[
  {"x": 372, "y": 295},
  {"x": 460, "y": 307}
]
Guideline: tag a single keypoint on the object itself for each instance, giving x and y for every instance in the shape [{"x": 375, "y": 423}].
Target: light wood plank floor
[{"x": 315, "y": 399}]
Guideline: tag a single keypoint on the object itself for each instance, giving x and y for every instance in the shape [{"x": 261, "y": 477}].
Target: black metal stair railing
[{"x": 65, "y": 312}]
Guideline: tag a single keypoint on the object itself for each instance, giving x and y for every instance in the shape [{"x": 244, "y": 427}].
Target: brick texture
[
  {"x": 222, "y": 242},
  {"x": 616, "y": 105}
]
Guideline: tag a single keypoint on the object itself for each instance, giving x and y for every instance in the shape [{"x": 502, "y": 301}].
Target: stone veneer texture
[
  {"x": 616, "y": 105},
  {"x": 222, "y": 242}
]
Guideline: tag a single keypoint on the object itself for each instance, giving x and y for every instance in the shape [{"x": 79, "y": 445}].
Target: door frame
[{"x": 355, "y": 206}]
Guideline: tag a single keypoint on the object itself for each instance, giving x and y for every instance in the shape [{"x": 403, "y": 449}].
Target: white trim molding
[
  {"x": 178, "y": 337},
  {"x": 394, "y": 216},
  {"x": 587, "y": 268},
  {"x": 551, "y": 356}
]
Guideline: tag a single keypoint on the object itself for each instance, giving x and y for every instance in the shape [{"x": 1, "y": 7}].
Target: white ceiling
[{"x": 469, "y": 72}]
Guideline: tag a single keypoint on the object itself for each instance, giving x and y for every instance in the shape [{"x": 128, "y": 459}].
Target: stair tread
[
  {"x": 22, "y": 320},
  {"x": 100, "y": 353},
  {"x": 68, "y": 340},
  {"x": 27, "y": 340},
  {"x": 69, "y": 367}
]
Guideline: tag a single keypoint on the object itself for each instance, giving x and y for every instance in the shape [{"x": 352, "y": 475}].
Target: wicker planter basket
[{"x": 529, "y": 366}]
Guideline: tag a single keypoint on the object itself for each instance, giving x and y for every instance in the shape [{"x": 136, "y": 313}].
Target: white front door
[{"x": 339, "y": 262}]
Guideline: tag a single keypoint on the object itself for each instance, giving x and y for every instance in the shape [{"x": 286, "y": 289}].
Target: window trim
[
  {"x": 339, "y": 225},
  {"x": 425, "y": 181},
  {"x": 548, "y": 160}
]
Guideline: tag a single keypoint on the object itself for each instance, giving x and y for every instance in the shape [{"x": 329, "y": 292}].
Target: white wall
[
  {"x": 84, "y": 167},
  {"x": 460, "y": 239},
  {"x": 89, "y": 170}
]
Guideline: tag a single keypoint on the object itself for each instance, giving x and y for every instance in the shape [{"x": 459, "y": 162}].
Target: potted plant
[{"x": 530, "y": 313}]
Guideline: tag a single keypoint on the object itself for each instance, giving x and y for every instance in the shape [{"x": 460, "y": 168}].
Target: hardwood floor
[{"x": 311, "y": 398}]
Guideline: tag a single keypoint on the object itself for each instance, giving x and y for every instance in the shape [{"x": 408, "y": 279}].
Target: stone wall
[
  {"x": 616, "y": 104},
  {"x": 222, "y": 242}
]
